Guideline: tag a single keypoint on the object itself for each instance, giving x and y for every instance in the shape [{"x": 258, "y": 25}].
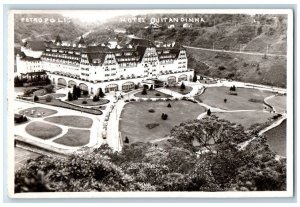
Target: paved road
[{"x": 235, "y": 52}]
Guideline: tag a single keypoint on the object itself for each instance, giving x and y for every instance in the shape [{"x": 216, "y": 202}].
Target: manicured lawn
[
  {"x": 74, "y": 138},
  {"x": 37, "y": 112},
  {"x": 246, "y": 98},
  {"x": 59, "y": 103},
  {"x": 247, "y": 118},
  {"x": 178, "y": 90},
  {"x": 89, "y": 101},
  {"x": 54, "y": 95},
  {"x": 152, "y": 94},
  {"x": 72, "y": 121},
  {"x": 277, "y": 139},
  {"x": 278, "y": 103},
  {"x": 42, "y": 130},
  {"x": 135, "y": 117}
]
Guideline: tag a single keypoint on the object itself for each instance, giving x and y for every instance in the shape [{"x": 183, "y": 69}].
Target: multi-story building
[{"x": 107, "y": 66}]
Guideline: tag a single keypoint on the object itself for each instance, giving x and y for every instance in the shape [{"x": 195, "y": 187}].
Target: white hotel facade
[{"x": 107, "y": 66}]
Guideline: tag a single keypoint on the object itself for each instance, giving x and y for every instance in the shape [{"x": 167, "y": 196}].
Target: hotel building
[{"x": 108, "y": 66}]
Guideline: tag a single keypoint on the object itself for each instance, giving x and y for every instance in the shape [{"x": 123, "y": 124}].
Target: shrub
[
  {"x": 164, "y": 116},
  {"x": 233, "y": 93},
  {"x": 35, "y": 98},
  {"x": 75, "y": 97},
  {"x": 151, "y": 110},
  {"x": 195, "y": 77},
  {"x": 85, "y": 93},
  {"x": 49, "y": 88},
  {"x": 225, "y": 100},
  {"x": 176, "y": 99},
  {"x": 221, "y": 67},
  {"x": 70, "y": 97},
  {"x": 152, "y": 125},
  {"x": 84, "y": 102},
  {"x": 96, "y": 98},
  {"x": 232, "y": 88},
  {"x": 49, "y": 98},
  {"x": 101, "y": 94},
  {"x": 126, "y": 140},
  {"x": 169, "y": 105},
  {"x": 157, "y": 94},
  {"x": 144, "y": 92},
  {"x": 132, "y": 99},
  {"x": 127, "y": 101},
  {"x": 208, "y": 112},
  {"x": 182, "y": 87}
]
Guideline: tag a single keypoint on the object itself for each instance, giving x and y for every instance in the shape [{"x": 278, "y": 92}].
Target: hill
[{"x": 45, "y": 30}]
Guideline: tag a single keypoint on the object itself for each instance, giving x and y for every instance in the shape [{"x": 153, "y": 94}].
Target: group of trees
[
  {"x": 35, "y": 81},
  {"x": 75, "y": 94},
  {"x": 171, "y": 167}
]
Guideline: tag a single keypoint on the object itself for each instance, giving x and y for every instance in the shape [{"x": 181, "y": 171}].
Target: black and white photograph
[{"x": 164, "y": 103}]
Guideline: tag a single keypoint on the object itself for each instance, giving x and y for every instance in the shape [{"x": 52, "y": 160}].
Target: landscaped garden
[
  {"x": 55, "y": 95},
  {"x": 240, "y": 99},
  {"x": 277, "y": 139},
  {"x": 36, "y": 112},
  {"x": 59, "y": 103},
  {"x": 71, "y": 121},
  {"x": 42, "y": 130},
  {"x": 185, "y": 90},
  {"x": 143, "y": 121},
  {"x": 89, "y": 102},
  {"x": 74, "y": 138},
  {"x": 246, "y": 118},
  {"x": 152, "y": 94}
]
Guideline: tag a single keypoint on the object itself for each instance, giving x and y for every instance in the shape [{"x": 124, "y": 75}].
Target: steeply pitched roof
[{"x": 58, "y": 39}]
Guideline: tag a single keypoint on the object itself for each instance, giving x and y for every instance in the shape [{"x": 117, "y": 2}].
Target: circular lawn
[
  {"x": 74, "y": 138},
  {"x": 36, "y": 112},
  {"x": 42, "y": 130},
  {"x": 71, "y": 121},
  {"x": 136, "y": 118}
]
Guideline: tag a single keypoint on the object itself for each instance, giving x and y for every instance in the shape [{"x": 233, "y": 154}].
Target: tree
[
  {"x": 208, "y": 112},
  {"x": 182, "y": 87},
  {"x": 225, "y": 100},
  {"x": 195, "y": 77},
  {"x": 169, "y": 105},
  {"x": 70, "y": 97},
  {"x": 210, "y": 130},
  {"x": 49, "y": 98},
  {"x": 35, "y": 98},
  {"x": 164, "y": 116},
  {"x": 232, "y": 88},
  {"x": 49, "y": 88},
  {"x": 101, "y": 94},
  {"x": 151, "y": 88},
  {"x": 144, "y": 92},
  {"x": 96, "y": 98},
  {"x": 126, "y": 140}
]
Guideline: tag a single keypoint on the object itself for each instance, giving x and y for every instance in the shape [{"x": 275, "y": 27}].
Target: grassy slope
[
  {"x": 243, "y": 67},
  {"x": 135, "y": 116}
]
